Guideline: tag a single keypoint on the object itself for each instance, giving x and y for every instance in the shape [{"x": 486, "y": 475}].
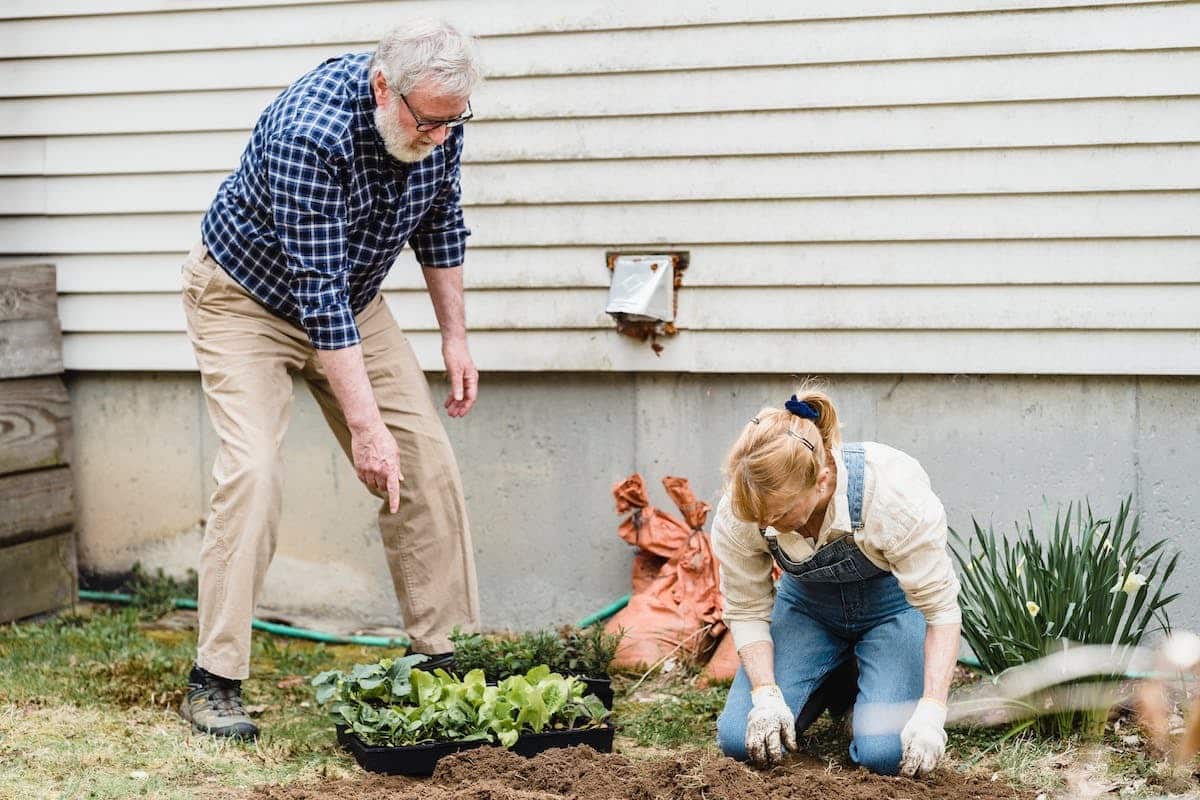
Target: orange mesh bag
[
  {"x": 662, "y": 532},
  {"x": 678, "y": 608}
]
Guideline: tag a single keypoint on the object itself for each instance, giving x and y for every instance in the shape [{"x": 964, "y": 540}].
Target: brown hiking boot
[{"x": 214, "y": 706}]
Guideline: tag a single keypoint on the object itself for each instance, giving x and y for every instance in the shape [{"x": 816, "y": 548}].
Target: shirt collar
[{"x": 837, "y": 514}]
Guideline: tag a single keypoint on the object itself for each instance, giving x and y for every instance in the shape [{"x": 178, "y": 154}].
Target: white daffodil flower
[
  {"x": 1132, "y": 583},
  {"x": 1032, "y": 607}
]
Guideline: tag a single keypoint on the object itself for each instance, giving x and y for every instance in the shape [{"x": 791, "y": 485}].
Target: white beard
[{"x": 401, "y": 148}]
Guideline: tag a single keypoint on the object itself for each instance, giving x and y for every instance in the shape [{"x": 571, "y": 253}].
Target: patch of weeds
[
  {"x": 153, "y": 595},
  {"x": 1013, "y": 753},
  {"x": 73, "y": 659},
  {"x": 143, "y": 679},
  {"x": 1029, "y": 761},
  {"x": 671, "y": 711},
  {"x": 1131, "y": 764}
]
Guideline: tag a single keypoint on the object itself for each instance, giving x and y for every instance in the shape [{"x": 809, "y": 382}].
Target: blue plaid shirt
[{"x": 317, "y": 211}]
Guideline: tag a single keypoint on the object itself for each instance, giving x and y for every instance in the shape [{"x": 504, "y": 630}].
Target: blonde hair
[{"x": 771, "y": 461}]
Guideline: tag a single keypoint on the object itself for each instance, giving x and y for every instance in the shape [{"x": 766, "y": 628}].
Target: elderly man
[{"x": 353, "y": 160}]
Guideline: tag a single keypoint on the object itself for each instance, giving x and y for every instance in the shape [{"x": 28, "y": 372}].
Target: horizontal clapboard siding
[
  {"x": 976, "y": 185},
  {"x": 971, "y": 80},
  {"x": 997, "y": 263},
  {"x": 101, "y": 27},
  {"x": 630, "y": 51},
  {"x": 1019, "y": 352},
  {"x": 1137, "y": 168},
  {"x": 1087, "y": 215},
  {"x": 722, "y": 309},
  {"x": 1046, "y": 125}
]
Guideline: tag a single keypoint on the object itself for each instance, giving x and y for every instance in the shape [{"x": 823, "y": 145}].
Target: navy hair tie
[{"x": 802, "y": 409}]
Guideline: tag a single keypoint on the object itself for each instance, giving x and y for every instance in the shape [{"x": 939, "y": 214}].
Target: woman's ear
[{"x": 826, "y": 480}]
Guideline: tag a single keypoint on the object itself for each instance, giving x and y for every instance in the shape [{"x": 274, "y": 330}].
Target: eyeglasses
[{"x": 426, "y": 125}]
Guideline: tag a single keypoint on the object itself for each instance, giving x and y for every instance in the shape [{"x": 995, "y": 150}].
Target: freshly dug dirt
[{"x": 579, "y": 773}]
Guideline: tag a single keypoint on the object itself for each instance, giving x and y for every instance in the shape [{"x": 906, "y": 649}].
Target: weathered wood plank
[
  {"x": 37, "y": 576},
  {"x": 27, "y": 292},
  {"x": 35, "y": 424},
  {"x": 30, "y": 347},
  {"x": 36, "y": 504}
]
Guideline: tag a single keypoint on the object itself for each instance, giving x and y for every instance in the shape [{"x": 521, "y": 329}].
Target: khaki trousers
[{"x": 247, "y": 356}]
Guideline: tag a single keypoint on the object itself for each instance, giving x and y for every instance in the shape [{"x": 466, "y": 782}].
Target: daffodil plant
[
  {"x": 392, "y": 703},
  {"x": 1086, "y": 580}
]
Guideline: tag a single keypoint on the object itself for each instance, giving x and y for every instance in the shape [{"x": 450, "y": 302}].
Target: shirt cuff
[
  {"x": 331, "y": 328},
  {"x": 441, "y": 249},
  {"x": 749, "y": 631},
  {"x": 948, "y": 616}
]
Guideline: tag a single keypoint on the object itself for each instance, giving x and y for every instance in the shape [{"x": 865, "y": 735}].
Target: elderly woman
[{"x": 867, "y": 582}]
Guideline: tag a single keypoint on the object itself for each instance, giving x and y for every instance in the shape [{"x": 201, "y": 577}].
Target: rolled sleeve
[
  {"x": 745, "y": 577},
  {"x": 922, "y": 564},
  {"x": 309, "y": 210},
  {"x": 441, "y": 238}
]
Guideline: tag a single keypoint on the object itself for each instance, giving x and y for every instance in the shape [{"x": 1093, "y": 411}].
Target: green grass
[{"x": 89, "y": 701}]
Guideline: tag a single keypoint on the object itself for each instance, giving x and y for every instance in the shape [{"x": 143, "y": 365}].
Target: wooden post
[{"x": 37, "y": 544}]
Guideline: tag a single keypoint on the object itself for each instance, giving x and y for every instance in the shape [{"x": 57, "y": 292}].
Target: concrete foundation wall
[{"x": 540, "y": 453}]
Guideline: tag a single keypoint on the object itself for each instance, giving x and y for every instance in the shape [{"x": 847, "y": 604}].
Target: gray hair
[{"x": 427, "y": 49}]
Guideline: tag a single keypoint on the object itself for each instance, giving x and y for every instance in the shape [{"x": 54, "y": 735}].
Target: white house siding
[{"x": 976, "y": 186}]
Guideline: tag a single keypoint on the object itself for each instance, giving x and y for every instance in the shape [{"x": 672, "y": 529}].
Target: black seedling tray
[
  {"x": 601, "y": 687},
  {"x": 420, "y": 759}
]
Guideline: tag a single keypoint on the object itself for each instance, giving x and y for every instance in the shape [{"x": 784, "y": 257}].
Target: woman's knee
[{"x": 879, "y": 754}]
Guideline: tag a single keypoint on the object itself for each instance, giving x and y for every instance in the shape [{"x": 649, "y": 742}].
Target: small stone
[
  {"x": 139, "y": 775},
  {"x": 1132, "y": 738}
]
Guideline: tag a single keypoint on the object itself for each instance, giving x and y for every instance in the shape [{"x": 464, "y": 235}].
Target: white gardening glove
[
  {"x": 923, "y": 739},
  {"x": 770, "y": 727}
]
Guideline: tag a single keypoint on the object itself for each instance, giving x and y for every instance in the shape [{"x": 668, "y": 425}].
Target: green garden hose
[
  {"x": 603, "y": 614},
  {"x": 262, "y": 625}
]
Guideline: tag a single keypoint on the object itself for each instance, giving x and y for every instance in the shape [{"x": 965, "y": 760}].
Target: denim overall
[{"x": 833, "y": 607}]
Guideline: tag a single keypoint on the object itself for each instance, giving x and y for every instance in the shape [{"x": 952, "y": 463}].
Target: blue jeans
[{"x": 815, "y": 627}]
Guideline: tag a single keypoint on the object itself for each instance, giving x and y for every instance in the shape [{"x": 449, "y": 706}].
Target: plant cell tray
[
  {"x": 420, "y": 759},
  {"x": 601, "y": 687}
]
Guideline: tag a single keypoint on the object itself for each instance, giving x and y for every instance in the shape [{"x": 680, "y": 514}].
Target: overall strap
[{"x": 855, "y": 460}]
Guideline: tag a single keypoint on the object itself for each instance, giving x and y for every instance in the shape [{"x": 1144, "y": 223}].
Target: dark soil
[{"x": 492, "y": 773}]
